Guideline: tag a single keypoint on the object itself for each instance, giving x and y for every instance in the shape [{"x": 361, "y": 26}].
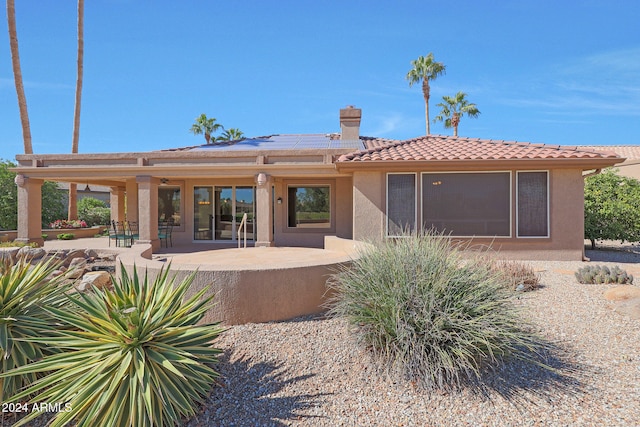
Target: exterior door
[{"x": 218, "y": 212}]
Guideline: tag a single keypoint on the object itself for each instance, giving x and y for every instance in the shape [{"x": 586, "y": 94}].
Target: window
[
  {"x": 533, "y": 204},
  {"x": 169, "y": 204},
  {"x": 401, "y": 203},
  {"x": 467, "y": 204},
  {"x": 309, "y": 206}
]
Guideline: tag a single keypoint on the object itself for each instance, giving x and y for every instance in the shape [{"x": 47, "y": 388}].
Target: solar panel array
[{"x": 286, "y": 142}]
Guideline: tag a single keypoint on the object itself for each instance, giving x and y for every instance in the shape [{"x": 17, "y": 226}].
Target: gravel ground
[{"x": 310, "y": 372}]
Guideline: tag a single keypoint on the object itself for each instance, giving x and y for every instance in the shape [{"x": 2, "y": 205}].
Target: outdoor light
[
  {"x": 279, "y": 200},
  {"x": 262, "y": 178},
  {"x": 163, "y": 181},
  {"x": 87, "y": 188}
]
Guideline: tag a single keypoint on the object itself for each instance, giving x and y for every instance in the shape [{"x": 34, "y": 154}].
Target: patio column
[
  {"x": 148, "y": 210},
  {"x": 29, "y": 210},
  {"x": 264, "y": 210},
  {"x": 132, "y": 200},
  {"x": 116, "y": 201}
]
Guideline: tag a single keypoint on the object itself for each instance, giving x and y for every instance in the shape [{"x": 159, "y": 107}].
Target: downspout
[{"x": 596, "y": 172}]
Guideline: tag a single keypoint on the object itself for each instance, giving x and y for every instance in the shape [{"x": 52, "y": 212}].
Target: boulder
[
  {"x": 629, "y": 307},
  {"x": 73, "y": 255},
  {"x": 78, "y": 263},
  {"x": 99, "y": 279},
  {"x": 621, "y": 293},
  {"x": 31, "y": 253},
  {"x": 91, "y": 253},
  {"x": 10, "y": 253}
]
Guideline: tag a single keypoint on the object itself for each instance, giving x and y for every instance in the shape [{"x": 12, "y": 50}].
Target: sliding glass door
[{"x": 218, "y": 212}]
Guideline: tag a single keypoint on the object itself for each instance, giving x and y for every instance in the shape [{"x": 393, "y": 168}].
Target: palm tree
[
  {"x": 17, "y": 76},
  {"x": 425, "y": 69},
  {"x": 233, "y": 134},
  {"x": 206, "y": 126},
  {"x": 73, "y": 187},
  {"x": 453, "y": 108}
]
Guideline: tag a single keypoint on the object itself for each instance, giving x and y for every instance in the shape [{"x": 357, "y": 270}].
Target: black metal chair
[
  {"x": 165, "y": 228},
  {"x": 118, "y": 232},
  {"x": 132, "y": 227}
]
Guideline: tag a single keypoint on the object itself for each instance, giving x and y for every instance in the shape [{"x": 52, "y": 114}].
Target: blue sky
[{"x": 559, "y": 72}]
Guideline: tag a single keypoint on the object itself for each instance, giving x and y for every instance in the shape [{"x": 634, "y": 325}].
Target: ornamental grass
[
  {"x": 426, "y": 312},
  {"x": 136, "y": 355}
]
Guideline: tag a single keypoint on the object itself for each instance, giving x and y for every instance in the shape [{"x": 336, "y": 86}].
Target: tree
[
  {"x": 453, "y": 108},
  {"x": 611, "y": 208},
  {"x": 73, "y": 187},
  {"x": 233, "y": 134},
  {"x": 425, "y": 69},
  {"x": 206, "y": 126},
  {"x": 53, "y": 203},
  {"x": 17, "y": 76}
]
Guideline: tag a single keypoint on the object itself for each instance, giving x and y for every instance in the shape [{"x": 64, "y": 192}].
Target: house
[
  {"x": 631, "y": 165},
  {"x": 524, "y": 199}
]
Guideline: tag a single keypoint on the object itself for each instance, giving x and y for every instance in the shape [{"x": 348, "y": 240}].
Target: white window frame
[
  {"x": 509, "y": 172},
  {"x": 415, "y": 200}
]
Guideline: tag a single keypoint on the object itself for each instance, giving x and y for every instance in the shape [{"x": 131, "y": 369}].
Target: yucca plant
[
  {"x": 25, "y": 291},
  {"x": 430, "y": 314},
  {"x": 137, "y": 355}
]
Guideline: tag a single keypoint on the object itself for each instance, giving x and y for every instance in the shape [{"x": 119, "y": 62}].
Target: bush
[
  {"x": 94, "y": 211},
  {"x": 63, "y": 224},
  {"x": 428, "y": 314},
  {"x": 137, "y": 355},
  {"x": 24, "y": 292},
  {"x": 66, "y": 236},
  {"x": 602, "y": 274},
  {"x": 516, "y": 275}
]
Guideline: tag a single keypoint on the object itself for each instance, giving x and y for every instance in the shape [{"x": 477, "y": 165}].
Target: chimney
[{"x": 350, "y": 123}]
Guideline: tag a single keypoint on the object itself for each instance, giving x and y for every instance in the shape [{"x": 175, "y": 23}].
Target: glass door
[{"x": 218, "y": 212}]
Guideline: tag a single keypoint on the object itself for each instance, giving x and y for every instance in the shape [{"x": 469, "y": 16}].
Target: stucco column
[
  {"x": 148, "y": 211},
  {"x": 29, "y": 210},
  {"x": 264, "y": 210},
  {"x": 116, "y": 201},
  {"x": 132, "y": 200}
]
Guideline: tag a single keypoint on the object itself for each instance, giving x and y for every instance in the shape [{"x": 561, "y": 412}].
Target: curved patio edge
[{"x": 254, "y": 285}]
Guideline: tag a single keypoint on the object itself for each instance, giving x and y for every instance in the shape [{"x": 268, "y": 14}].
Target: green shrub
[
  {"x": 137, "y": 356},
  {"x": 66, "y": 236},
  {"x": 94, "y": 211},
  {"x": 601, "y": 274},
  {"x": 24, "y": 292},
  {"x": 13, "y": 244},
  {"x": 516, "y": 275},
  {"x": 428, "y": 314}
]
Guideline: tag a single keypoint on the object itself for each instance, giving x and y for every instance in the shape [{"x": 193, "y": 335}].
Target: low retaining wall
[
  {"x": 52, "y": 233},
  {"x": 259, "y": 293}
]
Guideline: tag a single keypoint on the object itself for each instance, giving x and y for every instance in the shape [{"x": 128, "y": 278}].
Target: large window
[
  {"x": 533, "y": 204},
  {"x": 401, "y": 203},
  {"x": 309, "y": 206},
  {"x": 169, "y": 204},
  {"x": 467, "y": 204}
]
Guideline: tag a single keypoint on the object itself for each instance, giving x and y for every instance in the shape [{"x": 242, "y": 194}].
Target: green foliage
[
  {"x": 66, "y": 236},
  {"x": 136, "y": 356},
  {"x": 94, "y": 211},
  {"x": 53, "y": 200},
  {"x": 24, "y": 291},
  {"x": 611, "y": 208},
  {"x": 14, "y": 244},
  {"x": 429, "y": 314},
  {"x": 517, "y": 275},
  {"x": 602, "y": 274}
]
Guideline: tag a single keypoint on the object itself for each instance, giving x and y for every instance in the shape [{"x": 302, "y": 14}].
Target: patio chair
[
  {"x": 119, "y": 233},
  {"x": 165, "y": 229},
  {"x": 132, "y": 226}
]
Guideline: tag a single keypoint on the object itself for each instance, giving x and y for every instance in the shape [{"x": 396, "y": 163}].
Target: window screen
[
  {"x": 401, "y": 203},
  {"x": 533, "y": 206},
  {"x": 467, "y": 204}
]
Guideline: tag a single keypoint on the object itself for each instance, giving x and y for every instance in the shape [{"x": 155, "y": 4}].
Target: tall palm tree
[
  {"x": 73, "y": 187},
  {"x": 453, "y": 108},
  {"x": 206, "y": 126},
  {"x": 232, "y": 134},
  {"x": 17, "y": 76},
  {"x": 425, "y": 69}
]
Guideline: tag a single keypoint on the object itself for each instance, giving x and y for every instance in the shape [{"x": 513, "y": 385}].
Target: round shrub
[{"x": 428, "y": 313}]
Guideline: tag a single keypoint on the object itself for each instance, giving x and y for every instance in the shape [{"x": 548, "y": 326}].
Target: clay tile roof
[
  {"x": 630, "y": 152},
  {"x": 438, "y": 147}
]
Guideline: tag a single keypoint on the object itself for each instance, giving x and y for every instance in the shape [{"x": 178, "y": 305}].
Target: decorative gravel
[{"x": 311, "y": 372}]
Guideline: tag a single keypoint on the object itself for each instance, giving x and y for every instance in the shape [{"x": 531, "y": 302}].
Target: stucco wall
[{"x": 566, "y": 204}]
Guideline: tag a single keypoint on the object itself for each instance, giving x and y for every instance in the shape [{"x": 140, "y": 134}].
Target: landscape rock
[
  {"x": 91, "y": 253},
  {"x": 629, "y": 307},
  {"x": 10, "y": 253},
  {"x": 31, "y": 253},
  {"x": 79, "y": 253},
  {"x": 74, "y": 273},
  {"x": 99, "y": 279},
  {"x": 621, "y": 293},
  {"x": 78, "y": 263}
]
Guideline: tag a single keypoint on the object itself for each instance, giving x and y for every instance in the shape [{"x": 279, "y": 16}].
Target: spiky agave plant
[
  {"x": 136, "y": 355},
  {"x": 24, "y": 292}
]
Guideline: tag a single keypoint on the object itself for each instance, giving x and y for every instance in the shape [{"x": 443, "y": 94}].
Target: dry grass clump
[{"x": 517, "y": 275}]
